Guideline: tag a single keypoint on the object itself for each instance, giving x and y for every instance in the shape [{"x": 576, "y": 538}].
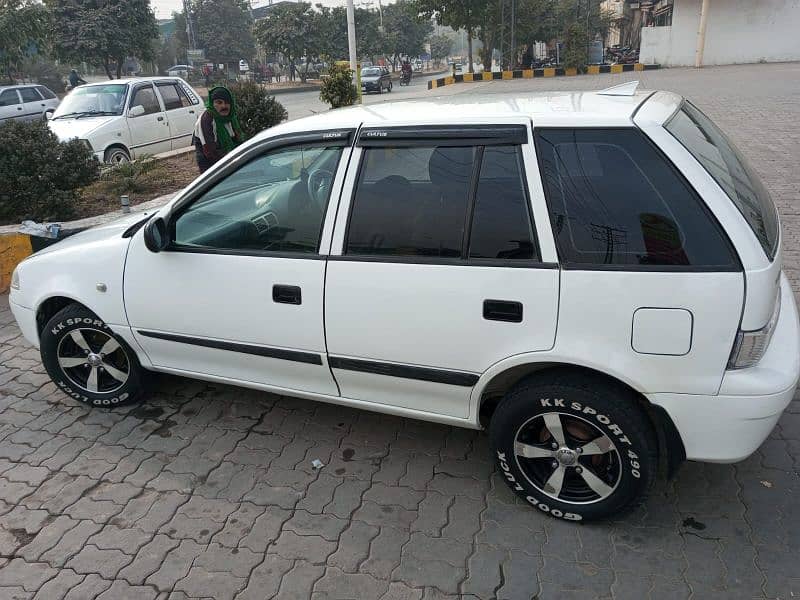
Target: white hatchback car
[
  {"x": 122, "y": 119},
  {"x": 594, "y": 278},
  {"x": 26, "y": 102}
]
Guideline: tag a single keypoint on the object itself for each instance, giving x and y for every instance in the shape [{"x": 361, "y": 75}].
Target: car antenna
[{"x": 623, "y": 89}]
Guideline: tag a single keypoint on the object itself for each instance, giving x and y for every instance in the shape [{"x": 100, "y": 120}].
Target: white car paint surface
[
  {"x": 100, "y": 114},
  {"x": 423, "y": 314}
]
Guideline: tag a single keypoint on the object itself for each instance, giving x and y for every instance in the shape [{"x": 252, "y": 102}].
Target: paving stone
[
  {"x": 484, "y": 571},
  {"x": 238, "y": 525},
  {"x": 175, "y": 566},
  {"x": 384, "y": 552},
  {"x": 346, "y": 498},
  {"x": 127, "y": 540},
  {"x": 218, "y": 585},
  {"x": 299, "y": 581},
  {"x": 311, "y": 548},
  {"x": 265, "y": 579},
  {"x": 148, "y": 560},
  {"x": 57, "y": 588},
  {"x": 353, "y": 548},
  {"x": 29, "y": 576},
  {"x": 463, "y": 520},
  {"x": 519, "y": 582},
  {"x": 266, "y": 529},
  {"x": 400, "y": 591},
  {"x": 121, "y": 590},
  {"x": 91, "y": 559},
  {"x": 378, "y": 515},
  {"x": 70, "y": 543},
  {"x": 319, "y": 494},
  {"x": 424, "y": 547},
  {"x": 434, "y": 573},
  {"x": 238, "y": 562},
  {"x": 337, "y": 585},
  {"x": 328, "y": 526}
]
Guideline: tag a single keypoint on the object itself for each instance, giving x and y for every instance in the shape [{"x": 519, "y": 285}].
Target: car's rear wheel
[
  {"x": 574, "y": 446},
  {"x": 117, "y": 155},
  {"x": 88, "y": 361}
]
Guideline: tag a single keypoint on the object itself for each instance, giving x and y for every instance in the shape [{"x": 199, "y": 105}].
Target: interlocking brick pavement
[{"x": 208, "y": 491}]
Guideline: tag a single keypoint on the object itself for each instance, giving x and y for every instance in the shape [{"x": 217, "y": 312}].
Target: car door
[
  {"x": 10, "y": 105},
  {"x": 149, "y": 131},
  {"x": 33, "y": 105},
  {"x": 181, "y": 113},
  {"x": 436, "y": 272},
  {"x": 238, "y": 294},
  {"x": 50, "y": 102}
]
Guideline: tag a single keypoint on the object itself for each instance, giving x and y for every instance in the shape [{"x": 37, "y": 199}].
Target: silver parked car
[{"x": 26, "y": 102}]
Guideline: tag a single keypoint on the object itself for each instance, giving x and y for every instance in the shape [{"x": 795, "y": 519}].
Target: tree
[
  {"x": 404, "y": 32},
  {"x": 286, "y": 30},
  {"x": 224, "y": 29},
  {"x": 468, "y": 15},
  {"x": 441, "y": 45},
  {"x": 103, "y": 31},
  {"x": 23, "y": 27},
  {"x": 337, "y": 88}
]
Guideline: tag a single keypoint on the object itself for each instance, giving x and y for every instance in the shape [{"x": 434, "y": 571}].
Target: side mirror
[
  {"x": 136, "y": 111},
  {"x": 48, "y": 115},
  {"x": 155, "y": 235}
]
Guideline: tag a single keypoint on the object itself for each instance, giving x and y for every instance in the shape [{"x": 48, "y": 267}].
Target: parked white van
[
  {"x": 593, "y": 277},
  {"x": 122, "y": 119}
]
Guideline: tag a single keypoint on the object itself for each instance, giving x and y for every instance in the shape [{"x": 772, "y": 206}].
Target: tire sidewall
[
  {"x": 60, "y": 326},
  {"x": 110, "y": 155},
  {"x": 625, "y": 427}
]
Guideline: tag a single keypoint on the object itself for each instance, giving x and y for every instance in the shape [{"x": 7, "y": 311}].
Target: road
[
  {"x": 208, "y": 490},
  {"x": 304, "y": 104}
]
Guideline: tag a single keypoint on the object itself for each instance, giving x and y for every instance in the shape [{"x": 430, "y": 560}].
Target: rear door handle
[
  {"x": 502, "y": 310},
  {"x": 287, "y": 294}
]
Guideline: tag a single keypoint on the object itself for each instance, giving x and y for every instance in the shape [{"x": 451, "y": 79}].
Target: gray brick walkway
[{"x": 208, "y": 491}]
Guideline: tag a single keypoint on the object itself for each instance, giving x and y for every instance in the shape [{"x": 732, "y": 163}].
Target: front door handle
[
  {"x": 287, "y": 294},
  {"x": 502, "y": 310},
  {"x": 160, "y": 118}
]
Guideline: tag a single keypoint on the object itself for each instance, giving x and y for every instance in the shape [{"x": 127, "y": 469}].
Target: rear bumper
[{"x": 731, "y": 426}]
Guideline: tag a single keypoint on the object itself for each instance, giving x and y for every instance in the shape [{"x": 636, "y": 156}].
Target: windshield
[
  {"x": 93, "y": 99},
  {"x": 371, "y": 72},
  {"x": 730, "y": 170}
]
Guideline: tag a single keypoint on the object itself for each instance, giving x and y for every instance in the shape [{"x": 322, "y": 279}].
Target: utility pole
[
  {"x": 187, "y": 11},
  {"x": 351, "y": 41},
  {"x": 701, "y": 34},
  {"x": 513, "y": 34}
]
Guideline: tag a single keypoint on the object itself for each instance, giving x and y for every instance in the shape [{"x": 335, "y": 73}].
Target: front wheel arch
[{"x": 108, "y": 152}]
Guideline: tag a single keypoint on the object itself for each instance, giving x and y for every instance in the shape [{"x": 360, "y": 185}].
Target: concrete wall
[{"x": 738, "y": 31}]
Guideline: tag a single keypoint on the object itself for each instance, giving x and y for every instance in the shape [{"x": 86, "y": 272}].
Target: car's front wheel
[
  {"x": 117, "y": 155},
  {"x": 88, "y": 361},
  {"x": 573, "y": 446}
]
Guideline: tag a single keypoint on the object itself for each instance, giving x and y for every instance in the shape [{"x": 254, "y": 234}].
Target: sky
[{"x": 165, "y": 8}]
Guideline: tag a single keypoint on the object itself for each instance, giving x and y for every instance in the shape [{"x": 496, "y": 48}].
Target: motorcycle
[{"x": 405, "y": 78}]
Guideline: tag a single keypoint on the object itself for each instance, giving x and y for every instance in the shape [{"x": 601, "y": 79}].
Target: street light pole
[{"x": 351, "y": 39}]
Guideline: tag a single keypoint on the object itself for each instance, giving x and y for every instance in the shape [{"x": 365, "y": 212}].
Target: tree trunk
[
  {"x": 119, "y": 67},
  {"x": 469, "y": 50},
  {"x": 107, "y": 68}
]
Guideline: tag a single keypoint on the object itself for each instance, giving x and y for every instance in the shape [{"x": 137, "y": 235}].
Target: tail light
[{"x": 750, "y": 346}]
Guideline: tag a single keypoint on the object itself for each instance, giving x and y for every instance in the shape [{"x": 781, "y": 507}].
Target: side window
[
  {"x": 275, "y": 203},
  {"x": 146, "y": 96},
  {"x": 46, "y": 93},
  {"x": 411, "y": 201},
  {"x": 170, "y": 96},
  {"x": 9, "y": 98},
  {"x": 29, "y": 95},
  {"x": 192, "y": 97},
  {"x": 615, "y": 200},
  {"x": 501, "y": 222}
]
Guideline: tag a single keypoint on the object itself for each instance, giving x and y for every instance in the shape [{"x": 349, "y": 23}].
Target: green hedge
[{"x": 40, "y": 177}]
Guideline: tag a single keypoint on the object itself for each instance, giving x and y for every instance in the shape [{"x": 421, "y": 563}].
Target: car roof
[
  {"x": 133, "y": 80},
  {"x": 19, "y": 86},
  {"x": 553, "y": 109}
]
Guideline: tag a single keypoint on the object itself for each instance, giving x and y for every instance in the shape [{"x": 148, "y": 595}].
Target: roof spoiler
[{"x": 623, "y": 89}]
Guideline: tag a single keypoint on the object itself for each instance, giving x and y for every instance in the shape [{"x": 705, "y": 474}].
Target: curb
[
  {"x": 15, "y": 246},
  {"x": 536, "y": 73}
]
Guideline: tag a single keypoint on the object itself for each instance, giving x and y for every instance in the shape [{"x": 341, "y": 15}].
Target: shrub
[
  {"x": 48, "y": 74},
  {"x": 40, "y": 176},
  {"x": 133, "y": 177},
  {"x": 257, "y": 110},
  {"x": 337, "y": 88}
]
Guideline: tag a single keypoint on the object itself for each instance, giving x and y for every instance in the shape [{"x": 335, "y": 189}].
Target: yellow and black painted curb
[
  {"x": 16, "y": 247},
  {"x": 536, "y": 73}
]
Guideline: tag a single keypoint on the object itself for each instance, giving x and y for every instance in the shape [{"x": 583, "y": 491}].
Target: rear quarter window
[
  {"x": 712, "y": 149},
  {"x": 616, "y": 202}
]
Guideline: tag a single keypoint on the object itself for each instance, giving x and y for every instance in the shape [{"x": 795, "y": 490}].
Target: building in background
[{"x": 737, "y": 31}]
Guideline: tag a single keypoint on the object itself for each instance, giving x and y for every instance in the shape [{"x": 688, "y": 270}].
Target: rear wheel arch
[{"x": 671, "y": 450}]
